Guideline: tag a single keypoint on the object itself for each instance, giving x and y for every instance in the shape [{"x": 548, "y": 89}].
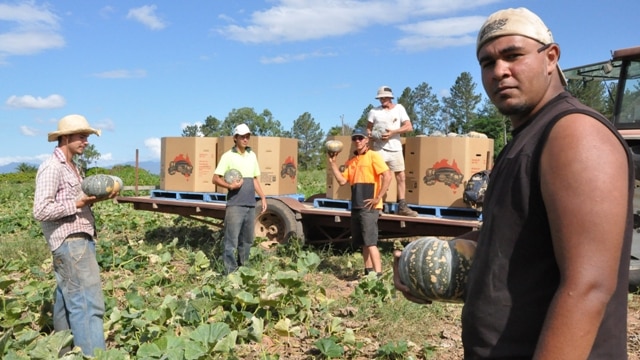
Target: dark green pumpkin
[
  {"x": 100, "y": 185},
  {"x": 435, "y": 269}
]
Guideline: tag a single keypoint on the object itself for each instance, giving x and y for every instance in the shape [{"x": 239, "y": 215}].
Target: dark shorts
[{"x": 364, "y": 227}]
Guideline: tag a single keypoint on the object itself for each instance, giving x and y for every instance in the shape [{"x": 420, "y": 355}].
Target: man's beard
[{"x": 511, "y": 110}]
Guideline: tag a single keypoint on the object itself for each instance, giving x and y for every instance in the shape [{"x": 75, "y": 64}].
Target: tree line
[{"x": 465, "y": 109}]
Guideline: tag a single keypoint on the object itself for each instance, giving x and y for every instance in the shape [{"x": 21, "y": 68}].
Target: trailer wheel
[{"x": 278, "y": 224}]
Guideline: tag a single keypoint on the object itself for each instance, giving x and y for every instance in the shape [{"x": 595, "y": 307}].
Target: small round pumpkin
[
  {"x": 333, "y": 146},
  {"x": 232, "y": 175},
  {"x": 435, "y": 269},
  {"x": 100, "y": 185}
]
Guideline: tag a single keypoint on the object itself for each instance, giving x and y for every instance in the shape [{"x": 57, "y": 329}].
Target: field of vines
[{"x": 166, "y": 296}]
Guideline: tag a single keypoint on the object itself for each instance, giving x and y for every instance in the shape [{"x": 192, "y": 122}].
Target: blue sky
[{"x": 143, "y": 70}]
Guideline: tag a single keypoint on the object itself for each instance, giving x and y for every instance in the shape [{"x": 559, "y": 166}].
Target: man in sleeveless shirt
[{"x": 549, "y": 278}]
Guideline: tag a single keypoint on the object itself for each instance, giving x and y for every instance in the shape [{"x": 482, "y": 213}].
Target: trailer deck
[{"x": 317, "y": 221}]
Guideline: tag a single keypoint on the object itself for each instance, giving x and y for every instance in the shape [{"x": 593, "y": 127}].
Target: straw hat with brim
[
  {"x": 72, "y": 124},
  {"x": 520, "y": 21}
]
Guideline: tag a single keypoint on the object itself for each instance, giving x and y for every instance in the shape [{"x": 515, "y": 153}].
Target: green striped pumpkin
[
  {"x": 101, "y": 185},
  {"x": 435, "y": 269}
]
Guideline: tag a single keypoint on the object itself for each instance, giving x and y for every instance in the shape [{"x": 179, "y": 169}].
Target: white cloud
[
  {"x": 106, "y": 11},
  {"x": 121, "y": 74},
  {"x": 30, "y": 30},
  {"x": 106, "y": 124},
  {"x": 440, "y": 33},
  {"x": 296, "y": 20},
  {"x": 286, "y": 58},
  {"x": 28, "y": 131},
  {"x": 31, "y": 102},
  {"x": 154, "y": 145},
  {"x": 146, "y": 15},
  {"x": 106, "y": 157}
]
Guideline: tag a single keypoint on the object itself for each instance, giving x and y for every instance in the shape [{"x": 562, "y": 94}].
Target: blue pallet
[
  {"x": 332, "y": 204},
  {"x": 205, "y": 196},
  {"x": 179, "y": 195},
  {"x": 392, "y": 208},
  {"x": 445, "y": 212}
]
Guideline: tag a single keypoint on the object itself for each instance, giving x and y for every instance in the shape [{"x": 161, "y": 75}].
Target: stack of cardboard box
[
  {"x": 278, "y": 160},
  {"x": 438, "y": 167},
  {"x": 188, "y": 163}
]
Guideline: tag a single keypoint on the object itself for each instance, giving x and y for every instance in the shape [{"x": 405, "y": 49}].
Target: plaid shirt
[{"x": 57, "y": 189}]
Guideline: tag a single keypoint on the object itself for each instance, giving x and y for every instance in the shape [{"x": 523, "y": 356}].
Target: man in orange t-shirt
[{"x": 369, "y": 177}]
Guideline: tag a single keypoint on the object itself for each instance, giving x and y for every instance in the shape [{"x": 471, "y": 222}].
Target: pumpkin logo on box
[
  {"x": 443, "y": 172},
  {"x": 288, "y": 168},
  {"x": 181, "y": 164}
]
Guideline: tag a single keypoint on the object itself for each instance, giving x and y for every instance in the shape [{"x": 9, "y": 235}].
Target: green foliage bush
[{"x": 128, "y": 175}]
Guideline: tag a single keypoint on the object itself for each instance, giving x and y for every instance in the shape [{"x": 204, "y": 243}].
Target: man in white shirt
[{"x": 385, "y": 124}]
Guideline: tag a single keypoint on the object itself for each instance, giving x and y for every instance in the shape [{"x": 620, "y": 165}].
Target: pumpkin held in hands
[
  {"x": 435, "y": 269},
  {"x": 232, "y": 175},
  {"x": 377, "y": 131},
  {"x": 333, "y": 146},
  {"x": 101, "y": 185}
]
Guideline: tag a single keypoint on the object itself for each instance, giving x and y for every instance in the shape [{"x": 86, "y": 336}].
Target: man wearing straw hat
[{"x": 64, "y": 212}]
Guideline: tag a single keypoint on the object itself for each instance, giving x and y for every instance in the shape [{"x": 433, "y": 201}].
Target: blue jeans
[
  {"x": 79, "y": 303},
  {"x": 239, "y": 233}
]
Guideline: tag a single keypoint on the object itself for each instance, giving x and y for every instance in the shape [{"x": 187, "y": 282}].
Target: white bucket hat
[
  {"x": 384, "y": 92},
  {"x": 241, "y": 129},
  {"x": 73, "y": 124},
  {"x": 520, "y": 21}
]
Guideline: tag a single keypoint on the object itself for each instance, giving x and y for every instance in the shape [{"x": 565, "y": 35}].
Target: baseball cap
[
  {"x": 384, "y": 92},
  {"x": 520, "y": 21},
  {"x": 241, "y": 129},
  {"x": 358, "y": 132}
]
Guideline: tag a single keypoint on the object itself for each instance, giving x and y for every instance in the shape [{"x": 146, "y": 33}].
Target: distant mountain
[
  {"x": 13, "y": 167},
  {"x": 152, "y": 167}
]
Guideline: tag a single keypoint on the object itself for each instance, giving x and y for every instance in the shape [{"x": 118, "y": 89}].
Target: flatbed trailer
[{"x": 313, "y": 221}]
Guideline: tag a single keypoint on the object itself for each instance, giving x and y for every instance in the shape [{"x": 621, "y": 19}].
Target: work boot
[{"x": 404, "y": 210}]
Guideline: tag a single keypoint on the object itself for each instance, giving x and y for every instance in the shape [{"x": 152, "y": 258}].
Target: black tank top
[{"x": 514, "y": 274}]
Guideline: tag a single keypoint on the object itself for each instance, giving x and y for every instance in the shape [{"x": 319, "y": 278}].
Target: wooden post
[{"x": 136, "y": 181}]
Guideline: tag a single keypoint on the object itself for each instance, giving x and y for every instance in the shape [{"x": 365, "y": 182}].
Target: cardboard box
[
  {"x": 334, "y": 190},
  {"x": 337, "y": 192},
  {"x": 278, "y": 160},
  {"x": 187, "y": 163},
  {"x": 438, "y": 168}
]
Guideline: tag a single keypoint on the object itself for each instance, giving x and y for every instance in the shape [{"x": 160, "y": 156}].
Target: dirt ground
[{"x": 447, "y": 342}]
